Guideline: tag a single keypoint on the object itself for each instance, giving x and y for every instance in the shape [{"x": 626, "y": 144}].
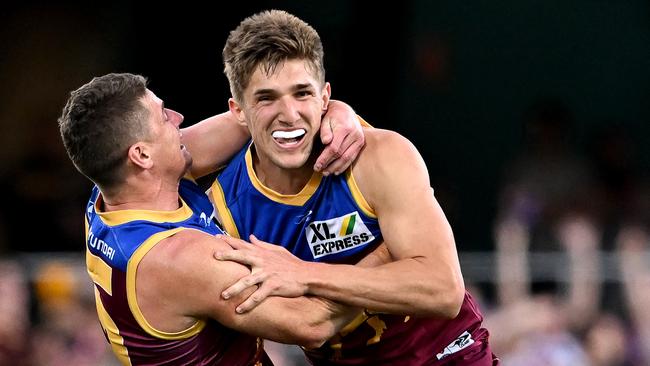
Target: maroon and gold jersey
[
  {"x": 115, "y": 244},
  {"x": 385, "y": 339},
  {"x": 330, "y": 221}
]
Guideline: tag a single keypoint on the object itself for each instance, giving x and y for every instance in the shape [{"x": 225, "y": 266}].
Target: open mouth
[{"x": 289, "y": 138}]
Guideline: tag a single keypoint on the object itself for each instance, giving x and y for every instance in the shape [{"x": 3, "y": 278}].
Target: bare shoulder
[
  {"x": 183, "y": 248},
  {"x": 386, "y": 157},
  {"x": 386, "y": 142},
  {"x": 385, "y": 150},
  {"x": 185, "y": 261}
]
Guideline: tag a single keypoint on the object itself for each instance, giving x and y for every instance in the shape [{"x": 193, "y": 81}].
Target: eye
[
  {"x": 264, "y": 99},
  {"x": 303, "y": 93}
]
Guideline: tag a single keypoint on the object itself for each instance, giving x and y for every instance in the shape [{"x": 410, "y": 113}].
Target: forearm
[
  {"x": 213, "y": 141},
  {"x": 306, "y": 321},
  {"x": 407, "y": 286}
]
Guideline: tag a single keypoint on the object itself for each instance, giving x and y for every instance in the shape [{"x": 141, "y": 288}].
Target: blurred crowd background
[{"x": 533, "y": 118}]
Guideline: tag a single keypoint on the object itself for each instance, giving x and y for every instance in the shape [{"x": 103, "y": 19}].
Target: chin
[{"x": 292, "y": 162}]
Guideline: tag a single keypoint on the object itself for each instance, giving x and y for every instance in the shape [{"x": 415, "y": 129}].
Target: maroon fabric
[
  {"x": 214, "y": 345},
  {"x": 415, "y": 342}
]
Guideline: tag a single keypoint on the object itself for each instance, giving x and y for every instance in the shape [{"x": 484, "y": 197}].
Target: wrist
[{"x": 312, "y": 277}]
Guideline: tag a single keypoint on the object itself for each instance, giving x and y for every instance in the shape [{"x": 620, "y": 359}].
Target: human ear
[
  {"x": 140, "y": 155},
  {"x": 237, "y": 111},
  {"x": 326, "y": 93}
]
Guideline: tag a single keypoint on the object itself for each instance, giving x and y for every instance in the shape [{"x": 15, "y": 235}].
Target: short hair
[
  {"x": 266, "y": 40},
  {"x": 99, "y": 123}
]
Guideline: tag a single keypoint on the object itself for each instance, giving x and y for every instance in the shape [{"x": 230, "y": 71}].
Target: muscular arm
[
  {"x": 424, "y": 277},
  {"x": 178, "y": 281},
  {"x": 213, "y": 141}
]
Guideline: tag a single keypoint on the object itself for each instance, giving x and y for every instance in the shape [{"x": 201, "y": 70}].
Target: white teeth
[{"x": 288, "y": 134}]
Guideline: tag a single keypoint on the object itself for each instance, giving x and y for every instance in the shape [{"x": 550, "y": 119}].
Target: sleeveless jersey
[
  {"x": 115, "y": 243},
  {"x": 330, "y": 221}
]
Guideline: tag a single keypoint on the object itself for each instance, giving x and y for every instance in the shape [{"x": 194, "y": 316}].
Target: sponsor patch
[{"x": 337, "y": 235}]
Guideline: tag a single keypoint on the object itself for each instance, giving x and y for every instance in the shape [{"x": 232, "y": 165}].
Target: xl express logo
[{"x": 337, "y": 235}]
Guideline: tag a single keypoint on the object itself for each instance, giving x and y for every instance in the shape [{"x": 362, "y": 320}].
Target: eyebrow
[
  {"x": 264, "y": 91},
  {"x": 302, "y": 86},
  {"x": 273, "y": 91}
]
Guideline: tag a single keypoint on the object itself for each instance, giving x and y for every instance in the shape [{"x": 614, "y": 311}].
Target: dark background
[{"x": 454, "y": 77}]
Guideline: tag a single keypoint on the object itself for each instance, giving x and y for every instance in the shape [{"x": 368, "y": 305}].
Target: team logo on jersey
[
  {"x": 205, "y": 220},
  {"x": 337, "y": 235},
  {"x": 463, "y": 341}
]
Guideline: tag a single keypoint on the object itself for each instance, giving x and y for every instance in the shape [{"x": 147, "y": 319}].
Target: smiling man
[
  {"x": 420, "y": 313},
  {"x": 150, "y": 236}
]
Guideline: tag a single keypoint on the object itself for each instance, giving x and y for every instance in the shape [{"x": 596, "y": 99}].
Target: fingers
[
  {"x": 326, "y": 132},
  {"x": 253, "y": 300},
  {"x": 332, "y": 139},
  {"x": 263, "y": 244},
  {"x": 233, "y": 242},
  {"x": 235, "y": 256},
  {"x": 338, "y": 155},
  {"x": 346, "y": 158},
  {"x": 242, "y": 284}
]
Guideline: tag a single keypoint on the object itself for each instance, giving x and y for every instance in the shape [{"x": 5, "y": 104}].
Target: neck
[
  {"x": 142, "y": 194},
  {"x": 283, "y": 180}
]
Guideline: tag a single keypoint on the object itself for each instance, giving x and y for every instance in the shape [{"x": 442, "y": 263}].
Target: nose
[
  {"x": 289, "y": 111},
  {"x": 175, "y": 117}
]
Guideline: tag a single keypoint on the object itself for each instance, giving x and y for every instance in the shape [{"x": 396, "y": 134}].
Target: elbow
[
  {"x": 448, "y": 303},
  {"x": 316, "y": 335},
  {"x": 455, "y": 303},
  {"x": 454, "y": 299}
]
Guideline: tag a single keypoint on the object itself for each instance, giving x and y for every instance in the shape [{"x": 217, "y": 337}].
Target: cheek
[
  {"x": 260, "y": 119},
  {"x": 261, "y": 113}
]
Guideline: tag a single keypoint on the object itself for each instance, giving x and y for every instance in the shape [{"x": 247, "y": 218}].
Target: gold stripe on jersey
[
  {"x": 298, "y": 199},
  {"x": 99, "y": 271},
  {"x": 189, "y": 177},
  {"x": 86, "y": 227},
  {"x": 114, "y": 218},
  {"x": 113, "y": 333},
  {"x": 358, "y": 196},
  {"x": 219, "y": 201},
  {"x": 131, "y": 296},
  {"x": 363, "y": 122}
]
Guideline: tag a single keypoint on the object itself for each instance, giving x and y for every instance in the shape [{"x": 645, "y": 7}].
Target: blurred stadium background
[{"x": 533, "y": 118}]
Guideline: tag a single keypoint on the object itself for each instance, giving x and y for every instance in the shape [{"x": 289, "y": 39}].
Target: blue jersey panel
[
  {"x": 322, "y": 224},
  {"x": 116, "y": 242}
]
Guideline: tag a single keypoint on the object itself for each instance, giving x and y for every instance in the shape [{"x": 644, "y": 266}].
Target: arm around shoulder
[{"x": 213, "y": 141}]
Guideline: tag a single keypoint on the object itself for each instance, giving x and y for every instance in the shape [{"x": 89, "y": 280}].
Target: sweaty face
[
  {"x": 170, "y": 155},
  {"x": 283, "y": 113}
]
